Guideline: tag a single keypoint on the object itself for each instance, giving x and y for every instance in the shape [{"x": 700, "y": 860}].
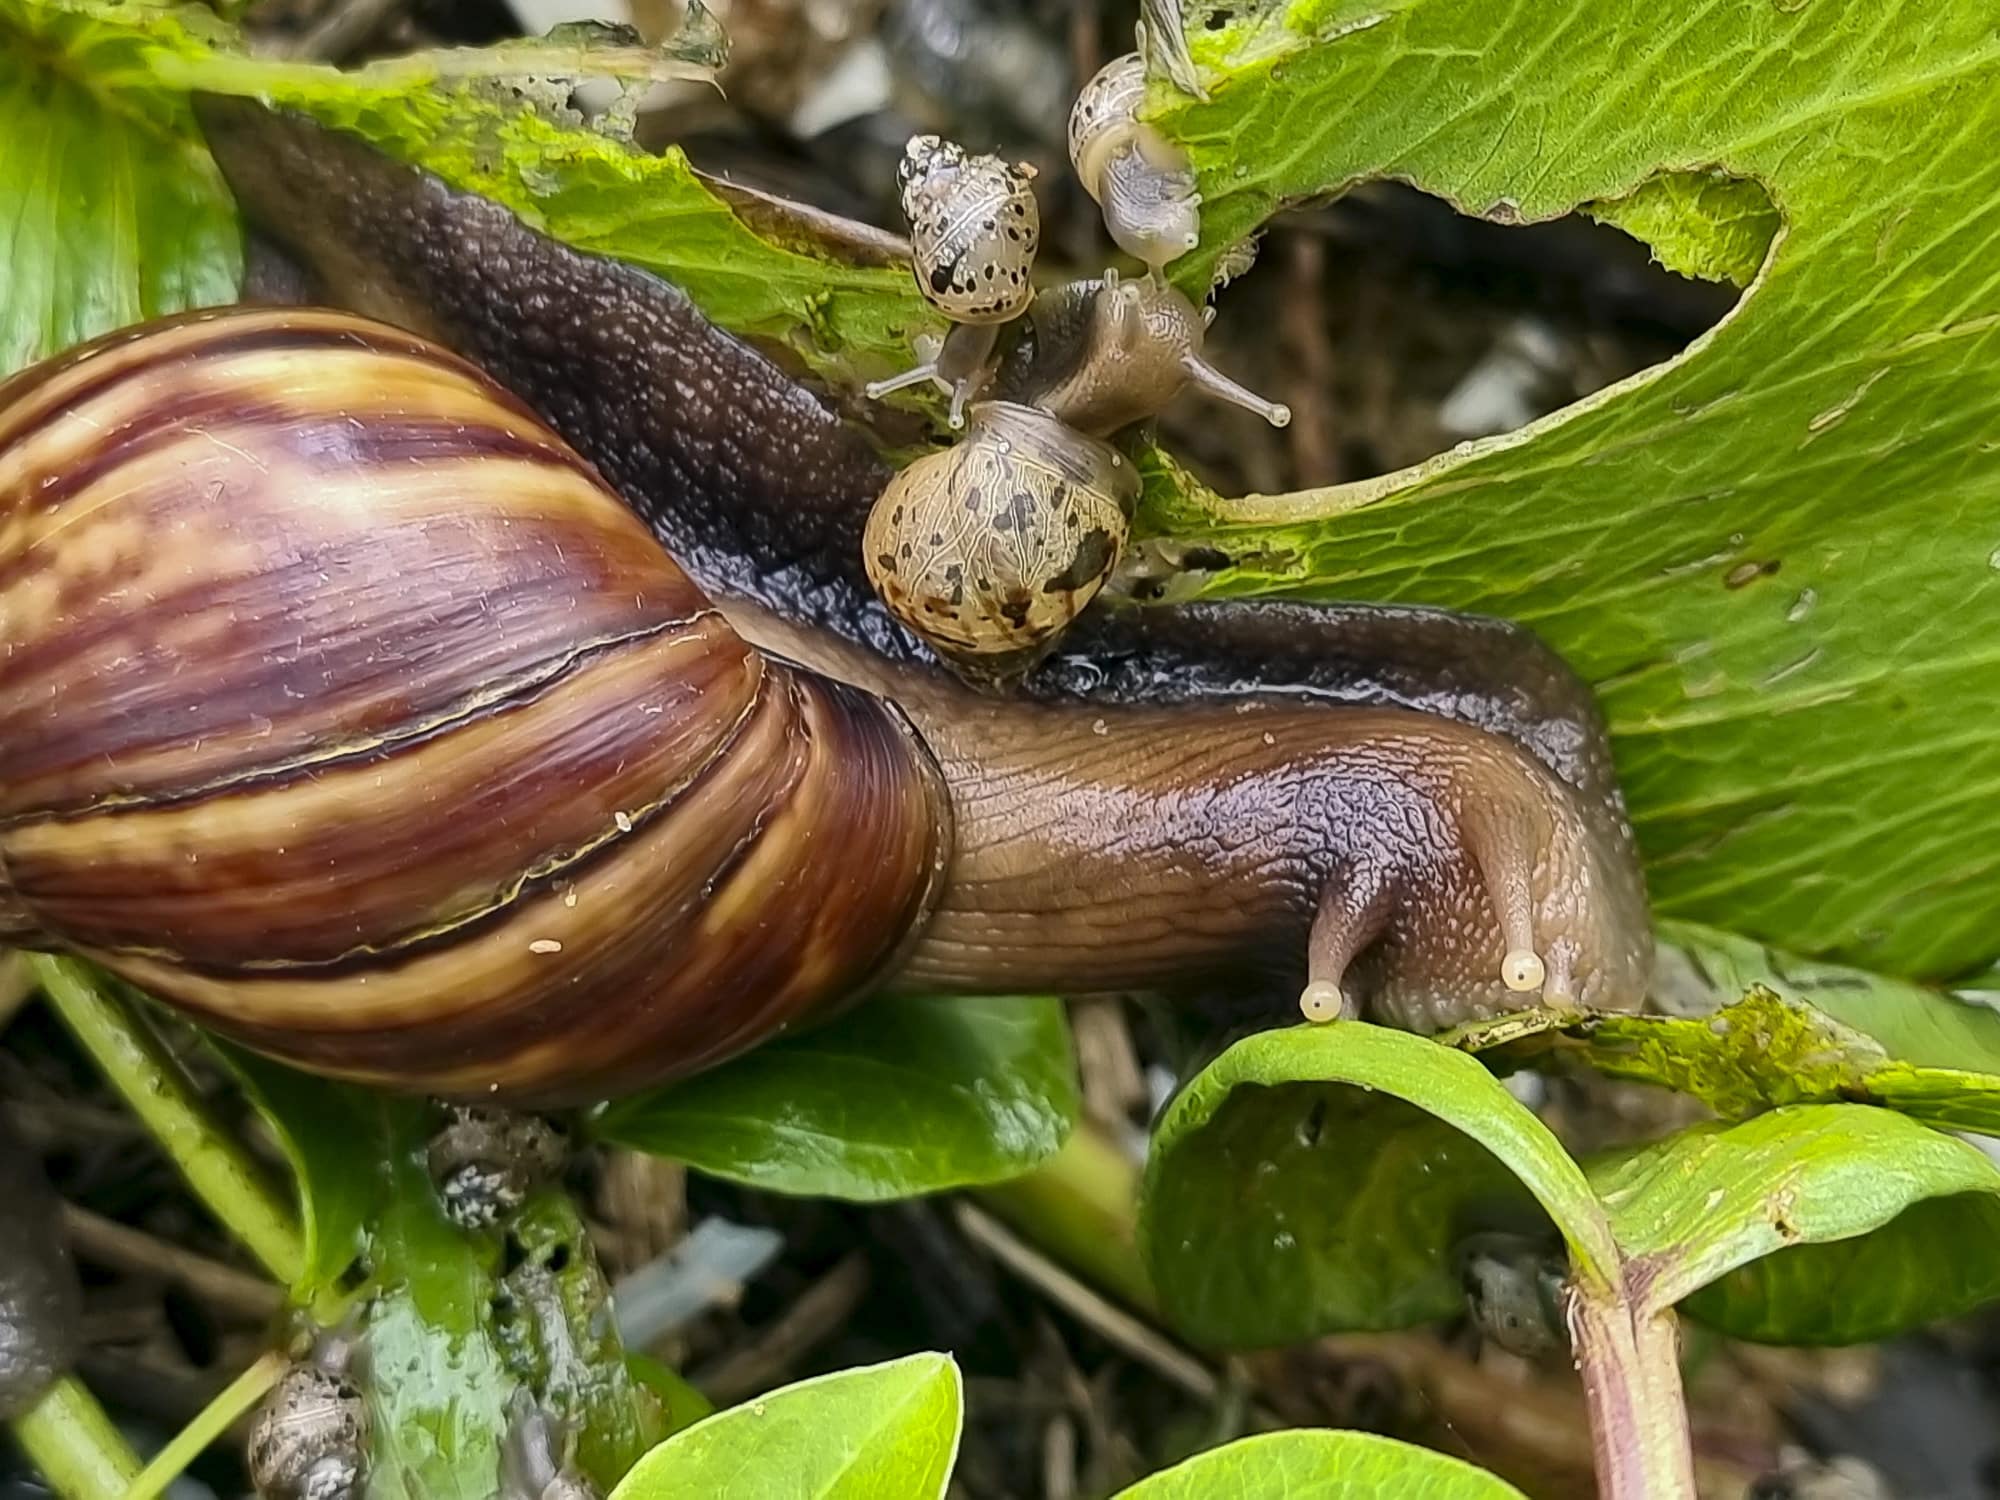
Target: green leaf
[
  {"x": 1778, "y": 1213},
  {"x": 458, "y": 1323},
  {"x": 887, "y": 1432},
  {"x": 1759, "y": 1053},
  {"x": 1920, "y": 1025},
  {"x": 1321, "y": 1177},
  {"x": 1798, "y": 704},
  {"x": 901, "y": 1096},
  {"x": 1317, "y": 1465},
  {"x": 317, "y": 1123},
  {"x": 110, "y": 210},
  {"x": 1698, "y": 223}
]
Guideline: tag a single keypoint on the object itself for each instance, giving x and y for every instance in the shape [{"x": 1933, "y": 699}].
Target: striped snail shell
[
  {"x": 1142, "y": 181},
  {"x": 345, "y": 707}
]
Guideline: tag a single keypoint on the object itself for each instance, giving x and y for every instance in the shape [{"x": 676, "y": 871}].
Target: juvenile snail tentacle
[{"x": 1142, "y": 181}]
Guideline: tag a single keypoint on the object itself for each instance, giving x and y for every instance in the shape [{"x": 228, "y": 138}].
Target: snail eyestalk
[
  {"x": 1205, "y": 377},
  {"x": 1322, "y": 1001}
]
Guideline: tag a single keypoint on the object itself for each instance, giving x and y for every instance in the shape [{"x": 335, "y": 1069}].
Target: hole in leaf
[{"x": 1406, "y": 327}]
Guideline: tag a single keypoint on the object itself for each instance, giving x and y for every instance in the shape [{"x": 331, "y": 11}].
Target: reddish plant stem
[{"x": 1630, "y": 1364}]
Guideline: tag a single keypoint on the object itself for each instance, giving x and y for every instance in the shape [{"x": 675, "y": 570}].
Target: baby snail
[
  {"x": 310, "y": 1438},
  {"x": 990, "y": 548},
  {"x": 1142, "y": 181},
  {"x": 974, "y": 230},
  {"x": 486, "y": 1162}
]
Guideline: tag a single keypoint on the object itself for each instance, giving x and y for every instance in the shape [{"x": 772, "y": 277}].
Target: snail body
[
  {"x": 1142, "y": 181},
  {"x": 351, "y": 712}
]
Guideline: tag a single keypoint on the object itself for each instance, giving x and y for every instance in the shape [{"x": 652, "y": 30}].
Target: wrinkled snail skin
[
  {"x": 344, "y": 708},
  {"x": 761, "y": 492},
  {"x": 41, "y": 1302},
  {"x": 708, "y": 441}
]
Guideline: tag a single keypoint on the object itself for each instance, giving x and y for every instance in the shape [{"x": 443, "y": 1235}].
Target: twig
[
  {"x": 770, "y": 1356},
  {"x": 1110, "y": 1322},
  {"x": 1304, "y": 340},
  {"x": 344, "y": 27},
  {"x": 119, "y": 1247},
  {"x": 16, "y": 984},
  {"x": 242, "y": 1393}
]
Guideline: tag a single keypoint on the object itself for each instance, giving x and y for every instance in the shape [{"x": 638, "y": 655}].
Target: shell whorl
[{"x": 343, "y": 706}]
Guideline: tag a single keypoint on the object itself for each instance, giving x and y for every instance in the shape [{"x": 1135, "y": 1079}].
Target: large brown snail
[{"x": 349, "y": 708}]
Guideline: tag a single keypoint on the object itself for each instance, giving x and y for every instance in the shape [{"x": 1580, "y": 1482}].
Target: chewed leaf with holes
[
  {"x": 1756, "y": 1054},
  {"x": 1778, "y": 556}
]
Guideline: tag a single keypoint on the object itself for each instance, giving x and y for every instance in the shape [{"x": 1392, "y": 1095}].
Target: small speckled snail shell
[
  {"x": 1141, "y": 180},
  {"x": 974, "y": 231},
  {"x": 992, "y": 546},
  {"x": 485, "y": 1162},
  {"x": 309, "y": 1440}
]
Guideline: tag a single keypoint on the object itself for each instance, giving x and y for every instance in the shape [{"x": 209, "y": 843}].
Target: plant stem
[
  {"x": 1632, "y": 1388},
  {"x": 242, "y": 1393},
  {"x": 1081, "y": 1207},
  {"x": 67, "y": 1436},
  {"x": 165, "y": 1098}
]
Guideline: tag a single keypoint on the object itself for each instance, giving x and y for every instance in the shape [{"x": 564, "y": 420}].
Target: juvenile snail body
[{"x": 1142, "y": 181}]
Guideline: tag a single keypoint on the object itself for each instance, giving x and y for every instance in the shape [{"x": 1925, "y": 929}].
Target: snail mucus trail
[{"x": 353, "y": 711}]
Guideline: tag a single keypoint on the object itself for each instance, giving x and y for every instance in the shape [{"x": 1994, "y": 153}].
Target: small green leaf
[
  {"x": 1718, "y": 1199},
  {"x": 1761, "y": 1052},
  {"x": 317, "y": 1123},
  {"x": 1911, "y": 1021},
  {"x": 110, "y": 209},
  {"x": 902, "y": 1096},
  {"x": 1319, "y": 1178},
  {"x": 455, "y": 1329},
  {"x": 886, "y": 1432},
  {"x": 1318, "y": 1465},
  {"x": 1704, "y": 224}
]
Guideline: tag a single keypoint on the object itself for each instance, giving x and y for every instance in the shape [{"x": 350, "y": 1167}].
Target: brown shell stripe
[{"x": 342, "y": 704}]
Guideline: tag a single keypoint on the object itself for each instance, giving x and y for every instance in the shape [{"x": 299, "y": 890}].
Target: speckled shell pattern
[
  {"x": 974, "y": 229},
  {"x": 344, "y": 707},
  {"x": 992, "y": 546}
]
